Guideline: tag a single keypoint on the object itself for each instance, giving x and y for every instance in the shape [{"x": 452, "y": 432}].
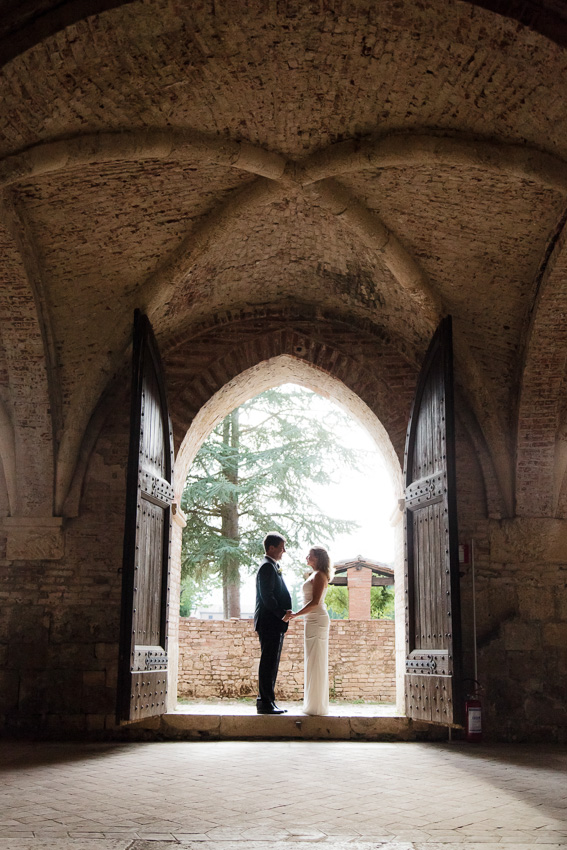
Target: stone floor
[{"x": 281, "y": 795}]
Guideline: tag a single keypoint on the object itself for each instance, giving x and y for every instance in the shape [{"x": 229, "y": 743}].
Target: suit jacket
[{"x": 272, "y": 598}]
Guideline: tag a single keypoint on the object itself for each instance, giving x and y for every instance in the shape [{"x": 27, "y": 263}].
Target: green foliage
[
  {"x": 382, "y": 603},
  {"x": 191, "y": 596},
  {"x": 260, "y": 467},
  {"x": 336, "y": 601}
]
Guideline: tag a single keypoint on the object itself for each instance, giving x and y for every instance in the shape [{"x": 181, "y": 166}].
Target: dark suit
[{"x": 272, "y": 602}]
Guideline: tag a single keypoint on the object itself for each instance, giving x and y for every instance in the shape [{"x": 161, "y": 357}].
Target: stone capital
[
  {"x": 179, "y": 517},
  {"x": 34, "y": 538}
]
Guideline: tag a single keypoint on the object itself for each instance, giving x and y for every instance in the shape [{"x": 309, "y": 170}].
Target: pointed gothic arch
[
  {"x": 275, "y": 371},
  {"x": 281, "y": 369}
]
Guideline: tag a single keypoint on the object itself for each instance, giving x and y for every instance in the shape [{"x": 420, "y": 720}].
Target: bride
[{"x": 316, "y": 633}]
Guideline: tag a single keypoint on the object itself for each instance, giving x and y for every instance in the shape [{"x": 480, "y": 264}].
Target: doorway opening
[{"x": 238, "y": 634}]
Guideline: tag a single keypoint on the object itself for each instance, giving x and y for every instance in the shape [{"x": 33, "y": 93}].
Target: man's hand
[{"x": 287, "y": 616}]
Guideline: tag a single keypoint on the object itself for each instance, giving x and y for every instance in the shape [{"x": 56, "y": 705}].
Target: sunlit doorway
[{"x": 368, "y": 498}]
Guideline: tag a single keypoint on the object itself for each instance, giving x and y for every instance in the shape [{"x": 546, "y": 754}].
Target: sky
[{"x": 368, "y": 498}]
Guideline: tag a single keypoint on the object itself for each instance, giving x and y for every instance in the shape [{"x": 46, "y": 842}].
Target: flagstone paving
[{"x": 281, "y": 795}]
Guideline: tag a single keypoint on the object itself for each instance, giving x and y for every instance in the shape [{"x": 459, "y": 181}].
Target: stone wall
[
  {"x": 520, "y": 577},
  {"x": 60, "y": 618},
  {"x": 522, "y": 627},
  {"x": 220, "y": 659}
]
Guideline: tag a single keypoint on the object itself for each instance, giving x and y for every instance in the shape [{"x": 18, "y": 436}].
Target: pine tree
[{"x": 254, "y": 474}]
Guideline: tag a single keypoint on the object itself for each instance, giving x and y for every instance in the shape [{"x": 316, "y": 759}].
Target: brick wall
[
  {"x": 359, "y": 585},
  {"x": 220, "y": 659}
]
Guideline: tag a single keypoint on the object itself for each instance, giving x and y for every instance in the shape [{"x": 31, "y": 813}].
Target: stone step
[{"x": 293, "y": 726}]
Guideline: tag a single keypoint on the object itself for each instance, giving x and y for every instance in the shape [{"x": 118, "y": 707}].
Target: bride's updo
[{"x": 323, "y": 562}]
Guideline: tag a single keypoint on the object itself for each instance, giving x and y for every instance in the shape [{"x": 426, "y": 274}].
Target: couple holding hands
[{"x": 271, "y": 617}]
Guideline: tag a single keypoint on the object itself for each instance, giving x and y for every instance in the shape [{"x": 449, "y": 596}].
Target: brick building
[{"x": 291, "y": 192}]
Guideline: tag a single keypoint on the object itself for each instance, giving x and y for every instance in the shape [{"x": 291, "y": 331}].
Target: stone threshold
[
  {"x": 219, "y": 722},
  {"x": 247, "y": 706}
]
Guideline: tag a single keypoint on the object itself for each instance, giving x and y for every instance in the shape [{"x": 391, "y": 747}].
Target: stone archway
[{"x": 275, "y": 371}]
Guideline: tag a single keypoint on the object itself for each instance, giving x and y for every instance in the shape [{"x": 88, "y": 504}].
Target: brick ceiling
[{"x": 389, "y": 163}]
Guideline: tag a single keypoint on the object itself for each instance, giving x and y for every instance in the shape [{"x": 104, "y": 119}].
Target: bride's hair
[{"x": 323, "y": 562}]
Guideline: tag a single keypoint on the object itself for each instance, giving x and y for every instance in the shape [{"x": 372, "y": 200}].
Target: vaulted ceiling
[{"x": 385, "y": 164}]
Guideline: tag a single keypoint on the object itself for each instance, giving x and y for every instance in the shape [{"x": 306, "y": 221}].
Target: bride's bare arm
[{"x": 319, "y": 585}]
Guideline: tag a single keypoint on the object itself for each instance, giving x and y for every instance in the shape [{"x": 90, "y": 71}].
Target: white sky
[{"x": 366, "y": 497}]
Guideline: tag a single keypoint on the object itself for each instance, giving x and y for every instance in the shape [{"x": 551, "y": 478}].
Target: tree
[
  {"x": 254, "y": 474},
  {"x": 336, "y": 601},
  {"x": 192, "y": 595},
  {"x": 382, "y": 603}
]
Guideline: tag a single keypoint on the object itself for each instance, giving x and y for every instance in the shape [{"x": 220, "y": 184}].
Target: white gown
[{"x": 316, "y": 646}]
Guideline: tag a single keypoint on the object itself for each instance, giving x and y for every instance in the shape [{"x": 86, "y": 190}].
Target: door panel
[
  {"x": 142, "y": 682},
  {"x": 433, "y": 639}
]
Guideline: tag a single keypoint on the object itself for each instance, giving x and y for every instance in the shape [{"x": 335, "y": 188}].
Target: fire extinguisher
[{"x": 473, "y": 716}]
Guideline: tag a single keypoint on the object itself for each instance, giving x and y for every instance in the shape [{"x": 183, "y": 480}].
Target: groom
[{"x": 271, "y": 616}]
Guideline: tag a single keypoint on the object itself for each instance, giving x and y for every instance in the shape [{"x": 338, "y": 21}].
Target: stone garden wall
[{"x": 219, "y": 658}]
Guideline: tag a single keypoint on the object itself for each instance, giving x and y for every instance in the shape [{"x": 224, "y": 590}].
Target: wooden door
[
  {"x": 433, "y": 623},
  {"x": 142, "y": 677}
]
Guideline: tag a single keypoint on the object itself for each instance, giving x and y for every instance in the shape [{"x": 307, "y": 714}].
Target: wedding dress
[{"x": 316, "y": 645}]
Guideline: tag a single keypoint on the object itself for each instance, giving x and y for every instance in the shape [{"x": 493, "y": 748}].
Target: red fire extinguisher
[{"x": 473, "y": 716}]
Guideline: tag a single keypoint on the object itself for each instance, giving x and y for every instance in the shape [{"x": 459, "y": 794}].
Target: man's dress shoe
[{"x": 269, "y": 709}]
